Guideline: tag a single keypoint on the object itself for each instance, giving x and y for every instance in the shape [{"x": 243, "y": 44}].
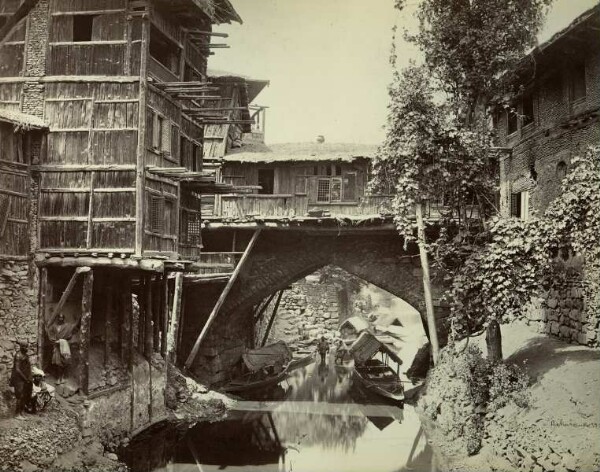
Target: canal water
[{"x": 314, "y": 421}]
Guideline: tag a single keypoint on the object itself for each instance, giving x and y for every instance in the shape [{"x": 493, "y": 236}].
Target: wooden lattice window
[
  {"x": 323, "y": 190},
  {"x": 157, "y": 214},
  {"x": 4, "y": 212},
  {"x": 190, "y": 228}
]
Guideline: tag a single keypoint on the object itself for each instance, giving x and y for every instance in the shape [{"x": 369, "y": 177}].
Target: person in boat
[
  {"x": 323, "y": 348},
  {"x": 59, "y": 334},
  {"x": 20, "y": 378},
  {"x": 341, "y": 351}
]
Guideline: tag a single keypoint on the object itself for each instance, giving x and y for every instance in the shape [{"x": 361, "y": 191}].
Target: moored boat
[
  {"x": 373, "y": 368},
  {"x": 265, "y": 367}
]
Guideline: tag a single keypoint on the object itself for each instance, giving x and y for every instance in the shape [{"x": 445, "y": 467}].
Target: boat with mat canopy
[
  {"x": 265, "y": 367},
  {"x": 377, "y": 368}
]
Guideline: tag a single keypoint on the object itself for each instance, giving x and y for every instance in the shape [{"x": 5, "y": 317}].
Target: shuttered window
[{"x": 519, "y": 205}]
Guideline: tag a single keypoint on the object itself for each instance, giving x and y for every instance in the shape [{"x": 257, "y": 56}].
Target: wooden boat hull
[
  {"x": 391, "y": 391},
  {"x": 270, "y": 381}
]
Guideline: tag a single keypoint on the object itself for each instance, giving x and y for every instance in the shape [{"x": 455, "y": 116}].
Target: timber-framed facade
[{"x": 119, "y": 95}]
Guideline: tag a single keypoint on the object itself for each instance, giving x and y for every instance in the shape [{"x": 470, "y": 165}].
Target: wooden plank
[
  {"x": 84, "y": 342},
  {"x": 165, "y": 315},
  {"x": 67, "y": 293},
  {"x": 149, "y": 319},
  {"x": 175, "y": 328},
  {"x": 221, "y": 300},
  {"x": 141, "y": 148},
  {"x": 42, "y": 314},
  {"x": 90, "y": 208},
  {"x": 273, "y": 315},
  {"x": 108, "y": 320}
]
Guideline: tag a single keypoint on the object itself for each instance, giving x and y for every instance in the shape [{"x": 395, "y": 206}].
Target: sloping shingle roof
[
  {"x": 261, "y": 153},
  {"x": 21, "y": 119}
]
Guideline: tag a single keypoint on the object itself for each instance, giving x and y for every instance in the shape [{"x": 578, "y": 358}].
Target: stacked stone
[
  {"x": 17, "y": 317},
  {"x": 307, "y": 311},
  {"x": 565, "y": 314}
]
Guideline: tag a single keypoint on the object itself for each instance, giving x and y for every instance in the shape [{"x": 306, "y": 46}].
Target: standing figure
[
  {"x": 59, "y": 334},
  {"x": 323, "y": 348},
  {"x": 20, "y": 378}
]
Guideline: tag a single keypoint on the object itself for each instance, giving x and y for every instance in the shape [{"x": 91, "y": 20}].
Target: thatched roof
[
  {"x": 261, "y": 153},
  {"x": 22, "y": 120}
]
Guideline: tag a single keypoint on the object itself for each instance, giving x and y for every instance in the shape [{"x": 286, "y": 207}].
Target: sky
[{"x": 327, "y": 62}]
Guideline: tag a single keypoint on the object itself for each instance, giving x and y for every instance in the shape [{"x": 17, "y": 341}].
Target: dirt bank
[{"x": 559, "y": 430}]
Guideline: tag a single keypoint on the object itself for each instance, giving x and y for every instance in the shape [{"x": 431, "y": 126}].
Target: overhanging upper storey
[{"x": 187, "y": 12}]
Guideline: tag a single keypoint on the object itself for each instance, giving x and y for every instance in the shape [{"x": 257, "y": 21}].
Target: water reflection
[{"x": 321, "y": 425}]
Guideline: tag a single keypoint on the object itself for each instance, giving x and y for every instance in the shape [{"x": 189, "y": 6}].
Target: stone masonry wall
[
  {"x": 307, "y": 311},
  {"x": 18, "y": 312},
  {"x": 561, "y": 310}
]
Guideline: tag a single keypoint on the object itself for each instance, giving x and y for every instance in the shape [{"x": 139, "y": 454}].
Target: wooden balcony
[
  {"x": 288, "y": 206},
  {"x": 250, "y": 206}
]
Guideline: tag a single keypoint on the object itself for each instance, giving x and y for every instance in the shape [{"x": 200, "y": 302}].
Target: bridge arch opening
[
  {"x": 278, "y": 259},
  {"x": 317, "y": 304}
]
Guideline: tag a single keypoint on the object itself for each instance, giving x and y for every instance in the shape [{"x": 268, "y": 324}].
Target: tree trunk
[{"x": 493, "y": 340}]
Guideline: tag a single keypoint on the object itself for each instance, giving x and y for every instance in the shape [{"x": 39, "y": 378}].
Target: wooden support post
[
  {"x": 42, "y": 315},
  {"x": 273, "y": 315},
  {"x": 64, "y": 297},
  {"x": 149, "y": 319},
  {"x": 126, "y": 317},
  {"x": 173, "y": 334},
  {"x": 433, "y": 337},
  {"x": 165, "y": 315},
  {"x": 141, "y": 327},
  {"x": 156, "y": 311},
  {"x": 221, "y": 300},
  {"x": 140, "y": 172},
  {"x": 108, "y": 321},
  {"x": 84, "y": 342}
]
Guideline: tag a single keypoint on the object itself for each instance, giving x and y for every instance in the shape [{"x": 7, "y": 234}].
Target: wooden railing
[
  {"x": 160, "y": 72},
  {"x": 248, "y": 206}
]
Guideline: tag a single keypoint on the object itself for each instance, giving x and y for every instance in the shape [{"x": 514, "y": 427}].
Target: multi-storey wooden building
[{"x": 113, "y": 193}]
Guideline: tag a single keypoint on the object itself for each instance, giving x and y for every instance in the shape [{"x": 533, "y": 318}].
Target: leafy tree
[{"x": 438, "y": 145}]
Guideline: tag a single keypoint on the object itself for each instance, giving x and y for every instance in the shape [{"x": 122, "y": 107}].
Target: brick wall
[
  {"x": 541, "y": 154},
  {"x": 561, "y": 130}
]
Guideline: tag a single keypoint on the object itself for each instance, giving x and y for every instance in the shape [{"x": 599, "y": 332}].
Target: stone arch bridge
[{"x": 284, "y": 253}]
